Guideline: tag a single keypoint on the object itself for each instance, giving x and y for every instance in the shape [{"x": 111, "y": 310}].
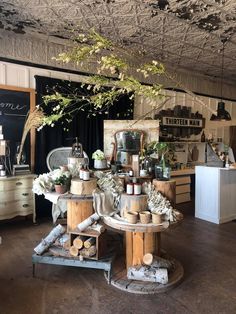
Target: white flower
[
  {"x": 44, "y": 183},
  {"x": 98, "y": 155}
]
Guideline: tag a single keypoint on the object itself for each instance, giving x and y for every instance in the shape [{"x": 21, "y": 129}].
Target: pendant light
[{"x": 222, "y": 114}]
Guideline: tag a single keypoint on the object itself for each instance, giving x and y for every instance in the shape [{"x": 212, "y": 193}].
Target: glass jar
[
  {"x": 147, "y": 164},
  {"x": 162, "y": 170}
]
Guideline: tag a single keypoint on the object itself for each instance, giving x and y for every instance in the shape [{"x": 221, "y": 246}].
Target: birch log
[
  {"x": 74, "y": 251},
  {"x": 89, "y": 242},
  {"x": 156, "y": 261},
  {"x": 78, "y": 242},
  {"x": 63, "y": 241},
  {"x": 51, "y": 237},
  {"x": 88, "y": 252},
  {"x": 96, "y": 227},
  {"x": 146, "y": 273},
  {"x": 88, "y": 222}
]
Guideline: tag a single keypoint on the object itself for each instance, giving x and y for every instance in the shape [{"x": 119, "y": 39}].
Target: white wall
[{"x": 23, "y": 76}]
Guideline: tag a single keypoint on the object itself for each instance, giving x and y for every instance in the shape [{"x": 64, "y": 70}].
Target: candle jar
[
  {"x": 130, "y": 188},
  {"x": 86, "y": 175},
  {"x": 137, "y": 188}
]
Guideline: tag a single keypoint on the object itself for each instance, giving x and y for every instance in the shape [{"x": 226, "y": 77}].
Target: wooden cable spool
[{"x": 78, "y": 209}]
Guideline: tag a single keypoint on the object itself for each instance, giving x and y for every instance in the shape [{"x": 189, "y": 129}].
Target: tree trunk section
[
  {"x": 88, "y": 222},
  {"x": 89, "y": 242},
  {"x": 78, "y": 242},
  {"x": 145, "y": 273},
  {"x": 51, "y": 237},
  {"x": 74, "y": 251},
  {"x": 89, "y": 252},
  {"x": 156, "y": 261}
]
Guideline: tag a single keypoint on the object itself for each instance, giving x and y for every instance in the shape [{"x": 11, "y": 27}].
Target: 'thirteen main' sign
[{"x": 184, "y": 122}]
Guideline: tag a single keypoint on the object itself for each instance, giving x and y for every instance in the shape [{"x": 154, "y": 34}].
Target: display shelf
[{"x": 47, "y": 258}]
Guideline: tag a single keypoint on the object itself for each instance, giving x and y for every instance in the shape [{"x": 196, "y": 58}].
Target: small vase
[
  {"x": 100, "y": 164},
  {"x": 60, "y": 189}
]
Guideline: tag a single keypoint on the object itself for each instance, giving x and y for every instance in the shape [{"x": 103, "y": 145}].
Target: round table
[{"x": 140, "y": 239}]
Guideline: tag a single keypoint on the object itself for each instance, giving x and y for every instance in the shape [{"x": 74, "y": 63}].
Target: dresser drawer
[
  {"x": 15, "y": 208},
  {"x": 15, "y": 184},
  {"x": 15, "y": 195}
]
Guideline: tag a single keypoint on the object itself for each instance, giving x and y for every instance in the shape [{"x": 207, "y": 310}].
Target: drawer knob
[
  {"x": 25, "y": 194},
  {"x": 19, "y": 183},
  {"x": 25, "y": 205}
]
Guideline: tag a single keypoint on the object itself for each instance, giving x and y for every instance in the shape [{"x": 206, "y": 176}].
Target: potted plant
[
  {"x": 100, "y": 161},
  {"x": 164, "y": 153},
  {"x": 61, "y": 180}
]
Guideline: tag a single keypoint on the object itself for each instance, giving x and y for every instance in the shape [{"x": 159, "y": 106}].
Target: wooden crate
[{"x": 100, "y": 242}]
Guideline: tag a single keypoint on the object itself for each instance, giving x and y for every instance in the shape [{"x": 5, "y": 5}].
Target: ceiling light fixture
[{"x": 222, "y": 114}]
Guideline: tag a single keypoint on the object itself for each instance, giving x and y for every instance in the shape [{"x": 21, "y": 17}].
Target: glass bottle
[{"x": 203, "y": 137}]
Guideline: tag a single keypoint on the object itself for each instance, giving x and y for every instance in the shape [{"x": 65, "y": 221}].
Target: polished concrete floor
[{"x": 206, "y": 251}]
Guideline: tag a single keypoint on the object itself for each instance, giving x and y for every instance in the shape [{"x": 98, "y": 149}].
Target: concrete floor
[{"x": 207, "y": 252}]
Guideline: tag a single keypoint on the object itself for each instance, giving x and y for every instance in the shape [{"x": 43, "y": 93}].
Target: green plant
[
  {"x": 62, "y": 180},
  {"x": 154, "y": 147}
]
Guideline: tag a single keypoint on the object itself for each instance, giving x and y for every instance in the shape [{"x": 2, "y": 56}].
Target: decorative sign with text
[
  {"x": 14, "y": 103},
  {"x": 183, "y": 122}
]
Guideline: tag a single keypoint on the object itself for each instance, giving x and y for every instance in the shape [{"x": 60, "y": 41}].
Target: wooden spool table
[
  {"x": 79, "y": 207},
  {"x": 139, "y": 240}
]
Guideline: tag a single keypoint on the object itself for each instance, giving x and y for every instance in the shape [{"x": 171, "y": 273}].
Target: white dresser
[{"x": 16, "y": 196}]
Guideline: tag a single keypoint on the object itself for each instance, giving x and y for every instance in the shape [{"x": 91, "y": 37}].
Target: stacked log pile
[
  {"x": 84, "y": 246},
  {"x": 60, "y": 243}
]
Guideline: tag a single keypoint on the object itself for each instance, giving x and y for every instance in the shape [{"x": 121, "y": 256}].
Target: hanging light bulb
[{"x": 222, "y": 114}]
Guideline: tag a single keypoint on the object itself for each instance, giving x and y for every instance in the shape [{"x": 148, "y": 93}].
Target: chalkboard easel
[{"x": 15, "y": 103}]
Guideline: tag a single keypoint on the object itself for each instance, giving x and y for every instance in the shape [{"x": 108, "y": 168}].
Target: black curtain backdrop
[{"x": 88, "y": 130}]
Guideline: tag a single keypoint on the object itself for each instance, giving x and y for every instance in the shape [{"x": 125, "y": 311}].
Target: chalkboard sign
[{"x": 15, "y": 104}]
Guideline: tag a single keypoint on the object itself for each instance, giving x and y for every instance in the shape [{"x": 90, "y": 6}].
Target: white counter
[{"x": 215, "y": 197}]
